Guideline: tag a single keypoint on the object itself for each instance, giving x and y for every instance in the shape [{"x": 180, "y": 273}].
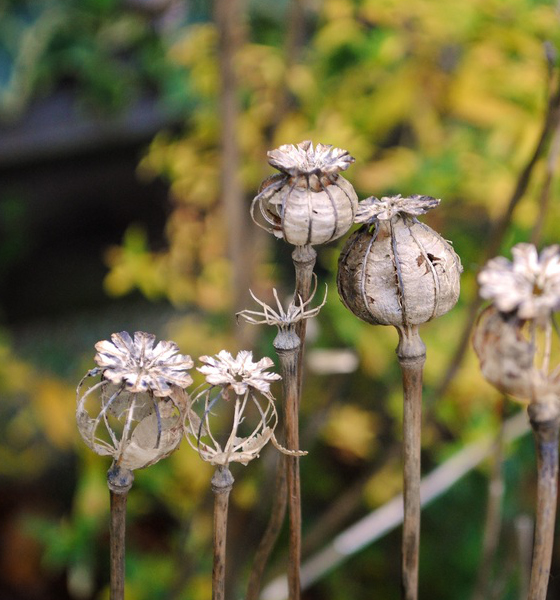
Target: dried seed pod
[
  {"x": 395, "y": 270},
  {"x": 515, "y": 338},
  {"x": 135, "y": 413},
  {"x": 309, "y": 202}
]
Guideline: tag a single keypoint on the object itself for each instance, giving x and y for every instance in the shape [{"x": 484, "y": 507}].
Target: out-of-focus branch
[{"x": 228, "y": 15}]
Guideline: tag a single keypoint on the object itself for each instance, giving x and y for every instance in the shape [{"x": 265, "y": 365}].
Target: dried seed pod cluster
[
  {"x": 135, "y": 413},
  {"x": 514, "y": 337},
  {"x": 309, "y": 202},
  {"x": 396, "y": 270}
]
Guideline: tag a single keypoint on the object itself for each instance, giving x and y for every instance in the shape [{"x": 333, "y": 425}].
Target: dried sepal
[
  {"x": 141, "y": 367},
  {"x": 309, "y": 202},
  {"x": 529, "y": 285},
  {"x": 297, "y": 310}
]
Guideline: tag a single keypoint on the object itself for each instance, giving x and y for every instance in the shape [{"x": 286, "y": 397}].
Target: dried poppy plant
[
  {"x": 244, "y": 387},
  {"x": 397, "y": 271},
  {"x": 516, "y": 341},
  {"x": 288, "y": 347},
  {"x": 134, "y": 414}
]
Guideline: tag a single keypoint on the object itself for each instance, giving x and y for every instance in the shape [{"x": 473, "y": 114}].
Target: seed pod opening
[
  {"x": 396, "y": 270},
  {"x": 308, "y": 202}
]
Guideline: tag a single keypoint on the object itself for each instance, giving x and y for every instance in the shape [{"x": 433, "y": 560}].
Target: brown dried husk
[
  {"x": 312, "y": 211},
  {"x": 507, "y": 357},
  {"x": 398, "y": 272}
]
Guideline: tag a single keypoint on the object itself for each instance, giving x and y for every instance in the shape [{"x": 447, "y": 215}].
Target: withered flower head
[
  {"x": 140, "y": 366},
  {"x": 308, "y": 202},
  {"x": 529, "y": 285},
  {"x": 135, "y": 413},
  {"x": 372, "y": 208},
  {"x": 239, "y": 373},
  {"x": 396, "y": 270},
  {"x": 251, "y": 413},
  {"x": 303, "y": 159}
]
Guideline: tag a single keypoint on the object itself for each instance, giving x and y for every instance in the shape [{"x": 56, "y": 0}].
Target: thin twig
[
  {"x": 545, "y": 421},
  {"x": 411, "y": 353},
  {"x": 119, "y": 482},
  {"x": 222, "y": 482}
]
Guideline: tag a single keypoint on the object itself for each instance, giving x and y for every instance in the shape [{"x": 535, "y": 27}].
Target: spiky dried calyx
[
  {"x": 395, "y": 270},
  {"x": 309, "y": 202},
  {"x": 140, "y": 367},
  {"x": 239, "y": 373}
]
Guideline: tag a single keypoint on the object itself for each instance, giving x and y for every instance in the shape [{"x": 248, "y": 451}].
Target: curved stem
[
  {"x": 411, "y": 353},
  {"x": 119, "y": 482},
  {"x": 222, "y": 482},
  {"x": 545, "y": 421}
]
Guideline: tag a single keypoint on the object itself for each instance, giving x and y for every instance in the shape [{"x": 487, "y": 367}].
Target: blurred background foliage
[{"x": 445, "y": 98}]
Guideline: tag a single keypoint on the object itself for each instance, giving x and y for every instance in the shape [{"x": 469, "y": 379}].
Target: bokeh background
[{"x": 133, "y": 136}]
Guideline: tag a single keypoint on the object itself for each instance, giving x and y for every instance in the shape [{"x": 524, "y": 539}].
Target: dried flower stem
[
  {"x": 119, "y": 482},
  {"x": 288, "y": 347},
  {"x": 545, "y": 421},
  {"x": 304, "y": 258},
  {"x": 411, "y": 353},
  {"x": 222, "y": 482}
]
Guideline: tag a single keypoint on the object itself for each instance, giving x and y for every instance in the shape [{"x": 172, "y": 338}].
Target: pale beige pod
[
  {"x": 396, "y": 270},
  {"x": 308, "y": 202}
]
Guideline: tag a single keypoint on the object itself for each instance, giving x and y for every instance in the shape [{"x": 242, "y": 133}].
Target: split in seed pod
[
  {"x": 396, "y": 270},
  {"x": 135, "y": 413},
  {"x": 308, "y": 202}
]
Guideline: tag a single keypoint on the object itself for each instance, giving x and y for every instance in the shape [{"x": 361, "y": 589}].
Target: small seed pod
[
  {"x": 309, "y": 202},
  {"x": 135, "y": 413},
  {"x": 395, "y": 270}
]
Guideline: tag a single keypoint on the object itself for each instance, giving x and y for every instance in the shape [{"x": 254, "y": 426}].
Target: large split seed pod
[
  {"x": 308, "y": 202},
  {"x": 396, "y": 270}
]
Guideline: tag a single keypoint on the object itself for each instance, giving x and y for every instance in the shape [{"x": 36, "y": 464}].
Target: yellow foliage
[
  {"x": 352, "y": 430},
  {"x": 384, "y": 485},
  {"x": 55, "y": 405},
  {"x": 245, "y": 493}
]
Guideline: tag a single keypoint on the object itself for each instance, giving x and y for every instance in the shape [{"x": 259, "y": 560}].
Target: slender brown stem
[
  {"x": 119, "y": 482},
  {"x": 287, "y": 346},
  {"x": 545, "y": 421},
  {"x": 412, "y": 356},
  {"x": 222, "y": 482},
  {"x": 304, "y": 258}
]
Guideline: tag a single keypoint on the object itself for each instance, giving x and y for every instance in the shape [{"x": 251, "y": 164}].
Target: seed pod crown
[{"x": 308, "y": 202}]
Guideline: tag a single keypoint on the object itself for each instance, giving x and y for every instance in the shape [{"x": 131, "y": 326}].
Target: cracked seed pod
[
  {"x": 395, "y": 270},
  {"x": 515, "y": 339},
  {"x": 135, "y": 413},
  {"x": 309, "y": 202}
]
